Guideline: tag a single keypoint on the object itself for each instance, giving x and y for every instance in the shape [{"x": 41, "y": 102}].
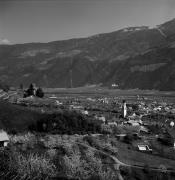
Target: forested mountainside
[{"x": 133, "y": 57}]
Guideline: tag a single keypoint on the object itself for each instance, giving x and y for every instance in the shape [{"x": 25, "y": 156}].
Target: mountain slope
[{"x": 135, "y": 57}]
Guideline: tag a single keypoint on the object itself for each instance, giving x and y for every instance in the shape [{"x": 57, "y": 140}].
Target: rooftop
[{"x": 3, "y": 136}]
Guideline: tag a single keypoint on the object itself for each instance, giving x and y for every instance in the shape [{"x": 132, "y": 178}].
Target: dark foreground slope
[
  {"x": 136, "y": 57},
  {"x": 16, "y": 118}
]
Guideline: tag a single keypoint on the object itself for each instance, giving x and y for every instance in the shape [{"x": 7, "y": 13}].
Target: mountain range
[{"x": 133, "y": 57}]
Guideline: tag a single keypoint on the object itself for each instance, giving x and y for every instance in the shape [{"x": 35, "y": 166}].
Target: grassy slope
[
  {"x": 13, "y": 117},
  {"x": 131, "y": 157}
]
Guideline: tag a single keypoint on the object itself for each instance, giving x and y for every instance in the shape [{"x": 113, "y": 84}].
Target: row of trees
[
  {"x": 66, "y": 122},
  {"x": 34, "y": 91}
]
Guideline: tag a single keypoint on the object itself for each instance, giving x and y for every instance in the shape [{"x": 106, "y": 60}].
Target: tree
[
  {"x": 39, "y": 93},
  {"x": 166, "y": 139},
  {"x": 4, "y": 86},
  {"x": 128, "y": 138},
  {"x": 31, "y": 91}
]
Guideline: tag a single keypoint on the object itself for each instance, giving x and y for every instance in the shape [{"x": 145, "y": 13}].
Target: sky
[{"x": 23, "y": 21}]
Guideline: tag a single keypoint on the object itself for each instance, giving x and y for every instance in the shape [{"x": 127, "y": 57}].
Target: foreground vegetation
[
  {"x": 38, "y": 156},
  {"x": 50, "y": 156}
]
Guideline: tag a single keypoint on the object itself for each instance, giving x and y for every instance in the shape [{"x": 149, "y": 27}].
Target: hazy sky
[{"x": 49, "y": 20}]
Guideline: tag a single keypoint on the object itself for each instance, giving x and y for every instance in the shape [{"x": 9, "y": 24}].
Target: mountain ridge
[{"x": 133, "y": 57}]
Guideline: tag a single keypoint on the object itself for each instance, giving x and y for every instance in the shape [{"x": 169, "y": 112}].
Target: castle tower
[{"x": 124, "y": 109}]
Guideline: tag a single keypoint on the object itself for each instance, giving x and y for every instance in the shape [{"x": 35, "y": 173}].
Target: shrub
[
  {"x": 4, "y": 159},
  {"x": 34, "y": 166},
  {"x": 83, "y": 167},
  {"x": 67, "y": 122},
  {"x": 23, "y": 138},
  {"x": 166, "y": 139},
  {"x": 128, "y": 138},
  {"x": 40, "y": 93},
  {"x": 106, "y": 129}
]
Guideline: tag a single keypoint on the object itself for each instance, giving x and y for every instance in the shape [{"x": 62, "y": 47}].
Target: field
[{"x": 95, "y": 91}]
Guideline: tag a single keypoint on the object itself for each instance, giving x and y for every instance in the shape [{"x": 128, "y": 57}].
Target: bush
[
  {"x": 106, "y": 129},
  {"x": 39, "y": 93},
  {"x": 4, "y": 159},
  {"x": 66, "y": 123},
  {"x": 33, "y": 166},
  {"x": 89, "y": 167},
  {"x": 4, "y": 86},
  {"x": 128, "y": 139}
]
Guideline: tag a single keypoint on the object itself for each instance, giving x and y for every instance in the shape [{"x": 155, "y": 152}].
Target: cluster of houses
[{"x": 129, "y": 115}]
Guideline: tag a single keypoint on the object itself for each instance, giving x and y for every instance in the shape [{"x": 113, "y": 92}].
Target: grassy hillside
[{"x": 15, "y": 118}]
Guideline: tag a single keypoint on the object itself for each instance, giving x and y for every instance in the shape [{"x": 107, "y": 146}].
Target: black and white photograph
[{"x": 87, "y": 89}]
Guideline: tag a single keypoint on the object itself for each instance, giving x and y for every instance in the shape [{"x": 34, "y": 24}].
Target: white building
[
  {"x": 85, "y": 112},
  {"x": 143, "y": 147},
  {"x": 4, "y": 139},
  {"x": 124, "y": 109}
]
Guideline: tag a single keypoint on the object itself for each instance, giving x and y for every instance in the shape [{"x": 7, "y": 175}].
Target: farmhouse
[
  {"x": 143, "y": 147},
  {"x": 4, "y": 139}
]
